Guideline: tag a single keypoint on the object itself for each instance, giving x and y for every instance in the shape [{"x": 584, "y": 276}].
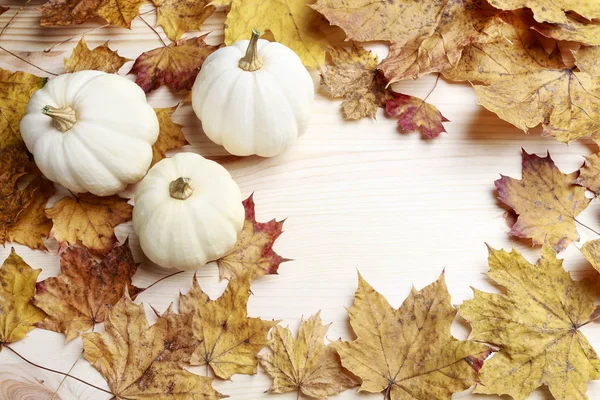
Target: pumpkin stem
[
  {"x": 181, "y": 188},
  {"x": 251, "y": 61},
  {"x": 63, "y": 119}
]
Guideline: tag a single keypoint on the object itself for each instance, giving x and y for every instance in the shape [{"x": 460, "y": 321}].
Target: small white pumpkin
[
  {"x": 91, "y": 131},
  {"x": 188, "y": 211},
  {"x": 253, "y": 97}
]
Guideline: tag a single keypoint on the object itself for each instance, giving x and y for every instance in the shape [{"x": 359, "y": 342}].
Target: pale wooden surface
[{"x": 358, "y": 196}]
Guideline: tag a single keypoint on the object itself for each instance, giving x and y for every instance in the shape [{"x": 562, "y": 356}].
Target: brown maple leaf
[
  {"x": 73, "y": 12},
  {"x": 3, "y": 9},
  {"x": 142, "y": 361},
  {"x": 175, "y": 65},
  {"x": 546, "y": 201},
  {"x": 89, "y": 220},
  {"x": 102, "y": 58},
  {"x": 170, "y": 136},
  {"x": 415, "y": 114},
  {"x": 355, "y": 77},
  {"x": 589, "y": 174},
  {"x": 575, "y": 29},
  {"x": 409, "y": 353},
  {"x": 230, "y": 340},
  {"x": 77, "y": 298},
  {"x": 551, "y": 10},
  {"x": 180, "y": 16},
  {"x": 253, "y": 255},
  {"x": 17, "y": 285},
  {"x": 586, "y": 59},
  {"x": 536, "y": 325},
  {"x": 305, "y": 364}
]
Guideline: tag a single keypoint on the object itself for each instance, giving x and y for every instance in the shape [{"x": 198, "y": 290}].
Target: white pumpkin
[
  {"x": 188, "y": 211},
  {"x": 253, "y": 97},
  {"x": 91, "y": 131}
]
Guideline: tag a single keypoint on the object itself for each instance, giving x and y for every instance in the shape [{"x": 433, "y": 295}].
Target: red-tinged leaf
[
  {"x": 175, "y": 65},
  {"x": 415, "y": 114}
]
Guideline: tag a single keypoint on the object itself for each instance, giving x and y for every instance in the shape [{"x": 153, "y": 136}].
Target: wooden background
[{"x": 356, "y": 195}]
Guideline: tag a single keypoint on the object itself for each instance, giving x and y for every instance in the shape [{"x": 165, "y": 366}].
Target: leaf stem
[
  {"x": 585, "y": 226},
  {"x": 65, "y": 377},
  {"x": 27, "y": 62},
  {"x": 153, "y": 30},
  {"x": 13, "y": 17},
  {"x": 55, "y": 371},
  {"x": 49, "y": 49},
  {"x": 161, "y": 279},
  {"x": 433, "y": 88}
]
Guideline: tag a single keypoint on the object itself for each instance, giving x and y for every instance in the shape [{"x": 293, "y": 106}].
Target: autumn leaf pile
[{"x": 531, "y": 62}]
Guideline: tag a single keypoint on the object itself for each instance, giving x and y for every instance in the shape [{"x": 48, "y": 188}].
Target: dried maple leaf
[
  {"x": 409, "y": 353},
  {"x": 586, "y": 59},
  {"x": 17, "y": 285},
  {"x": 77, "y": 298},
  {"x": 230, "y": 340},
  {"x": 13, "y": 159},
  {"x": 170, "y": 136},
  {"x": 89, "y": 220},
  {"x": 462, "y": 23},
  {"x": 253, "y": 255},
  {"x": 73, "y": 12},
  {"x": 551, "y": 10},
  {"x": 591, "y": 251},
  {"x": 589, "y": 174},
  {"x": 354, "y": 76},
  {"x": 576, "y": 30},
  {"x": 546, "y": 201},
  {"x": 140, "y": 361},
  {"x": 3, "y": 9},
  {"x": 536, "y": 325},
  {"x": 175, "y": 65},
  {"x": 102, "y": 58},
  {"x": 305, "y": 364},
  {"x": 179, "y": 16},
  {"x": 415, "y": 114},
  {"x": 292, "y": 23}
]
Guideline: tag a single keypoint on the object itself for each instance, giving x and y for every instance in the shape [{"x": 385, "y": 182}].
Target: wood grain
[{"x": 358, "y": 196}]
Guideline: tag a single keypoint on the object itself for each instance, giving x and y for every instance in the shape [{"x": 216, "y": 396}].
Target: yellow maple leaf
[
  {"x": 73, "y": 12},
  {"x": 78, "y": 297},
  {"x": 586, "y": 59},
  {"x": 305, "y": 364},
  {"x": 170, "y": 136},
  {"x": 589, "y": 174},
  {"x": 253, "y": 255},
  {"x": 180, "y": 16},
  {"x": 140, "y": 361},
  {"x": 292, "y": 23},
  {"x": 17, "y": 286},
  {"x": 591, "y": 251},
  {"x": 552, "y": 10},
  {"x": 230, "y": 340},
  {"x": 89, "y": 220},
  {"x": 536, "y": 325},
  {"x": 102, "y": 58},
  {"x": 546, "y": 201},
  {"x": 576, "y": 30},
  {"x": 409, "y": 353}
]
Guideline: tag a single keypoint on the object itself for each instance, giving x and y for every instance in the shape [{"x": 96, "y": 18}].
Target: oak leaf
[
  {"x": 175, "y": 65},
  {"x": 415, "y": 114},
  {"x": 409, "y": 353},
  {"x": 78, "y": 297},
  {"x": 586, "y": 59},
  {"x": 140, "y": 361},
  {"x": 74, "y": 12},
  {"x": 552, "y": 10},
  {"x": 354, "y": 76},
  {"x": 17, "y": 285},
  {"x": 546, "y": 201},
  {"x": 591, "y": 251},
  {"x": 89, "y": 220},
  {"x": 292, "y": 23},
  {"x": 179, "y": 16},
  {"x": 102, "y": 58},
  {"x": 536, "y": 325},
  {"x": 305, "y": 364},
  {"x": 589, "y": 174},
  {"x": 230, "y": 340},
  {"x": 170, "y": 136},
  {"x": 253, "y": 255}
]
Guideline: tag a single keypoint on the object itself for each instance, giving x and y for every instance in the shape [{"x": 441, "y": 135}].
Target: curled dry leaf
[
  {"x": 591, "y": 251},
  {"x": 17, "y": 285},
  {"x": 409, "y": 353},
  {"x": 78, "y": 297},
  {"x": 536, "y": 325},
  {"x": 175, "y": 65},
  {"x": 354, "y": 76},
  {"x": 102, "y": 58},
  {"x": 170, "y": 136},
  {"x": 73, "y": 12},
  {"x": 140, "y": 361},
  {"x": 305, "y": 364},
  {"x": 292, "y": 23},
  {"x": 546, "y": 201},
  {"x": 179, "y": 16},
  {"x": 586, "y": 59},
  {"x": 573, "y": 29},
  {"x": 89, "y": 220},
  {"x": 253, "y": 255},
  {"x": 589, "y": 174},
  {"x": 551, "y": 10},
  {"x": 230, "y": 340},
  {"x": 415, "y": 114}
]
